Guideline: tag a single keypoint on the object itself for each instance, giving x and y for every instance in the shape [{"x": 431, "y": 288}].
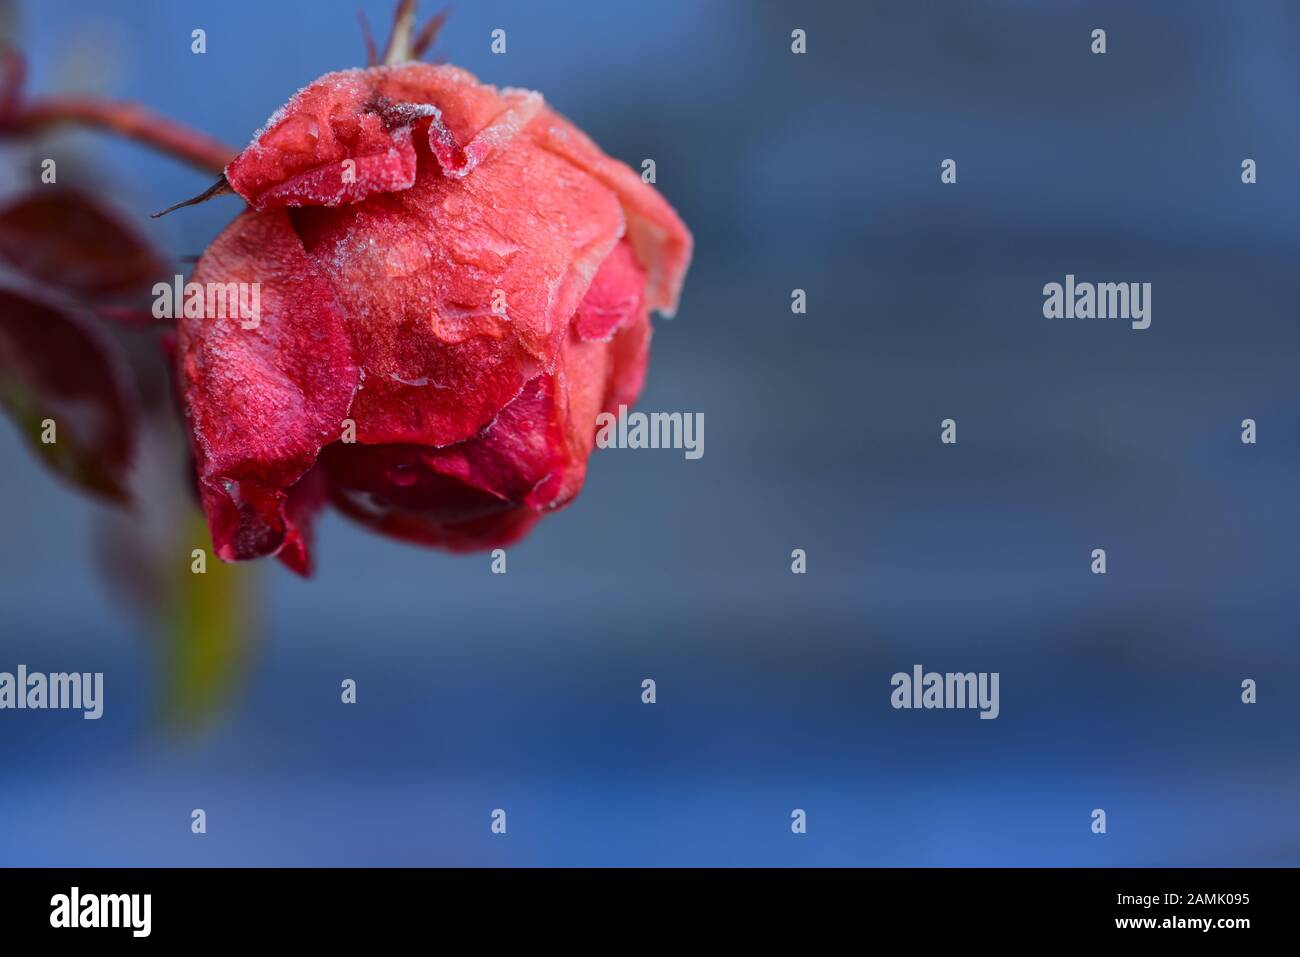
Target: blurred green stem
[{"x": 207, "y": 630}]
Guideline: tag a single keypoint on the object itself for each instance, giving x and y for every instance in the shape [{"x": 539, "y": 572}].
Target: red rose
[{"x": 456, "y": 272}]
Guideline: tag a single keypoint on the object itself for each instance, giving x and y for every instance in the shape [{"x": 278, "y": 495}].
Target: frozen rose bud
[{"x": 455, "y": 269}]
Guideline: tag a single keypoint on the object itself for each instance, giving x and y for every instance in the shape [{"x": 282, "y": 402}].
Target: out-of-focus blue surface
[{"x": 523, "y": 691}]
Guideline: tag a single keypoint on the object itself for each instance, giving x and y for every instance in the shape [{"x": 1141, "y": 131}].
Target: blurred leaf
[
  {"x": 52, "y": 367},
  {"x": 207, "y": 628},
  {"x": 66, "y": 240},
  {"x": 13, "y": 71},
  {"x": 9, "y": 21}
]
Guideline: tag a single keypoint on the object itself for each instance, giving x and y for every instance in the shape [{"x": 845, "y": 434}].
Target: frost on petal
[
  {"x": 466, "y": 108},
  {"x": 459, "y": 291},
  {"x": 335, "y": 142},
  {"x": 262, "y": 401},
  {"x": 458, "y": 161},
  {"x": 348, "y": 135},
  {"x": 659, "y": 238}
]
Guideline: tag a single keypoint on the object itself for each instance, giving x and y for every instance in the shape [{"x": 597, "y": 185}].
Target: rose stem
[{"x": 126, "y": 119}]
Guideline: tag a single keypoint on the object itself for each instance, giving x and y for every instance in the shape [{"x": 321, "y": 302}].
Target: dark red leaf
[
  {"x": 67, "y": 241},
  {"x": 53, "y": 367}
]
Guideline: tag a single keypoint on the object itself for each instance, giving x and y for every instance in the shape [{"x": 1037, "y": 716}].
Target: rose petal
[
  {"x": 392, "y": 489},
  {"x": 457, "y": 161},
  {"x": 523, "y": 456},
  {"x": 629, "y": 357},
  {"x": 461, "y": 290},
  {"x": 263, "y": 401},
  {"x": 477, "y": 534},
  {"x": 332, "y": 144},
  {"x": 615, "y": 297},
  {"x": 304, "y": 502},
  {"x": 659, "y": 238},
  {"x": 347, "y": 136}
]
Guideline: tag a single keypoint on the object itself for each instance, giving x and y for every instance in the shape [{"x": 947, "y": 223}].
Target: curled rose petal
[
  {"x": 455, "y": 160},
  {"x": 335, "y": 145},
  {"x": 659, "y": 238},
  {"x": 262, "y": 401},
  {"x": 629, "y": 355},
  {"x": 616, "y": 296},
  {"x": 348, "y": 135},
  {"x": 483, "y": 530},
  {"x": 393, "y": 489}
]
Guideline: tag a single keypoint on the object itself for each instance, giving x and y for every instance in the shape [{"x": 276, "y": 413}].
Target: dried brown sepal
[{"x": 220, "y": 188}]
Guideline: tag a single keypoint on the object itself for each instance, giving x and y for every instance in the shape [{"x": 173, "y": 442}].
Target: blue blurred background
[{"x": 522, "y": 692}]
